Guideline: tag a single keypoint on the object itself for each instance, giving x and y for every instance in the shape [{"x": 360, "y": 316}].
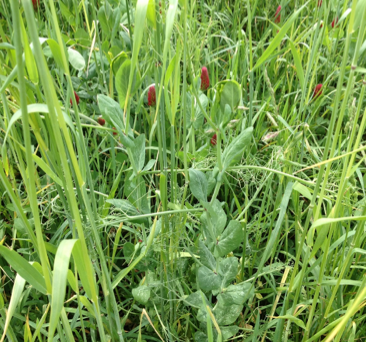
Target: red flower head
[
  {"x": 36, "y": 4},
  {"x": 214, "y": 140},
  {"x": 278, "y": 15},
  {"x": 205, "y": 80},
  {"x": 320, "y": 2},
  {"x": 318, "y": 90},
  {"x": 151, "y": 96},
  {"x": 101, "y": 121},
  {"x": 334, "y": 22},
  {"x": 76, "y": 97},
  {"x": 114, "y": 131}
]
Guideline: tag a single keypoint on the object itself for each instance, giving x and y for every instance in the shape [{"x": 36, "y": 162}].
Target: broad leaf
[
  {"x": 234, "y": 151},
  {"x": 141, "y": 294},
  {"x": 226, "y": 314},
  {"x": 195, "y": 299},
  {"x": 231, "y": 95},
  {"x": 235, "y": 294},
  {"x": 206, "y": 257},
  {"x": 138, "y": 152},
  {"x": 76, "y": 59},
  {"x": 228, "y": 269},
  {"x": 217, "y": 218},
  {"x": 122, "y": 79},
  {"x": 230, "y": 239},
  {"x": 207, "y": 279},
  {"x": 198, "y": 184}
]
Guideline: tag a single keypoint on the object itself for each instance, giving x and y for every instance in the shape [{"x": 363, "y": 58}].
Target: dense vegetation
[{"x": 182, "y": 170}]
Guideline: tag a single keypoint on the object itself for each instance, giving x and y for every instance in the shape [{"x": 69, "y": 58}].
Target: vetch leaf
[
  {"x": 236, "y": 148},
  {"x": 128, "y": 209},
  {"x": 294, "y": 319},
  {"x": 199, "y": 118}
]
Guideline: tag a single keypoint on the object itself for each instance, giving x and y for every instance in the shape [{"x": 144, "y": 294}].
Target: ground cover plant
[{"x": 182, "y": 170}]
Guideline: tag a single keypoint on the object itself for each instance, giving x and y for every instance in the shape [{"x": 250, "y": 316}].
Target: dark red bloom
[
  {"x": 36, "y": 4},
  {"x": 205, "y": 80},
  {"x": 318, "y": 90},
  {"x": 214, "y": 140},
  {"x": 101, "y": 121},
  {"x": 114, "y": 131},
  {"x": 320, "y": 2},
  {"x": 76, "y": 97},
  {"x": 151, "y": 96},
  {"x": 334, "y": 22},
  {"x": 278, "y": 15}
]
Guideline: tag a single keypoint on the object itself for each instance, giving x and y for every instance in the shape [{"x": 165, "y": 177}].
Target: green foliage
[{"x": 235, "y": 212}]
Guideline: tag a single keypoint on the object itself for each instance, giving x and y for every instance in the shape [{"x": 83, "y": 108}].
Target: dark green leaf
[
  {"x": 230, "y": 239},
  {"x": 207, "y": 279},
  {"x": 198, "y": 184},
  {"x": 234, "y": 151},
  {"x": 230, "y": 95},
  {"x": 24, "y": 268},
  {"x": 206, "y": 257}
]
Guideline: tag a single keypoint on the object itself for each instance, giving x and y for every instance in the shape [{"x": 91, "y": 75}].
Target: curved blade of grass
[
  {"x": 15, "y": 297},
  {"x": 25, "y": 269},
  {"x": 61, "y": 267},
  {"x": 278, "y": 38},
  {"x": 140, "y": 16},
  {"x": 298, "y": 65}
]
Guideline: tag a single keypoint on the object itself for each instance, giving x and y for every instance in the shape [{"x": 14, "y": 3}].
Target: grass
[{"x": 149, "y": 228}]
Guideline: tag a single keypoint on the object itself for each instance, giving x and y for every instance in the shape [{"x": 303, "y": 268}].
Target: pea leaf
[
  {"x": 207, "y": 279},
  {"x": 141, "y": 294},
  {"x": 230, "y": 239},
  {"x": 138, "y": 152},
  {"x": 228, "y": 269},
  {"x": 206, "y": 257},
  {"x": 235, "y": 294},
  {"x": 198, "y": 184}
]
